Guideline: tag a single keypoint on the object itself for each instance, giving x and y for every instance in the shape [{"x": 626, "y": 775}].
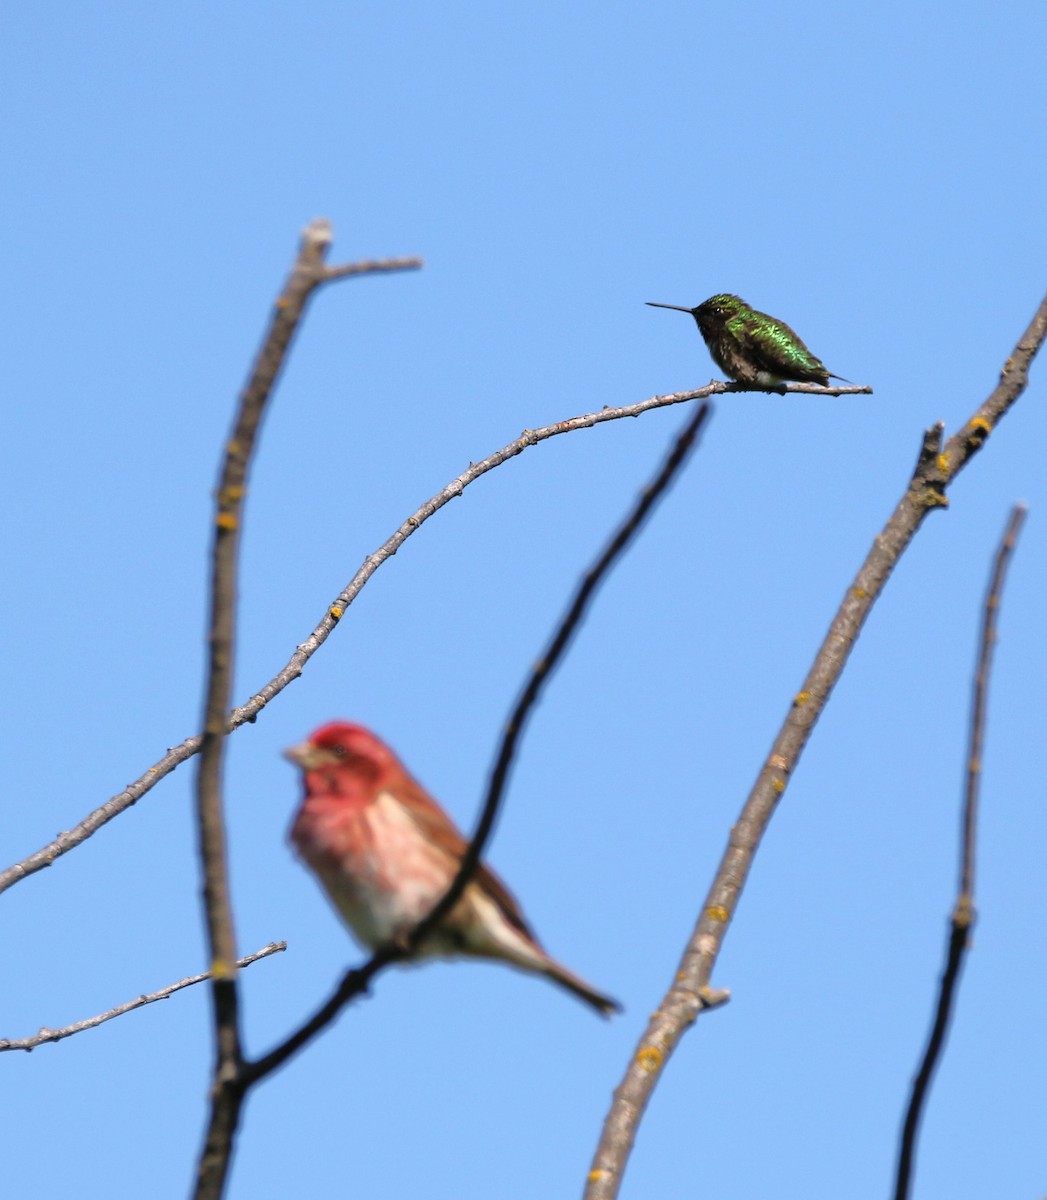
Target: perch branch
[{"x": 248, "y": 712}]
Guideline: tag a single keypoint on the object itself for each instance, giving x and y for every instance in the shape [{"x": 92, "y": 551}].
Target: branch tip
[
  {"x": 317, "y": 236},
  {"x": 714, "y": 997}
]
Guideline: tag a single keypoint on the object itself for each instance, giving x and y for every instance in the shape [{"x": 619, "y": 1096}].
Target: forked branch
[{"x": 309, "y": 272}]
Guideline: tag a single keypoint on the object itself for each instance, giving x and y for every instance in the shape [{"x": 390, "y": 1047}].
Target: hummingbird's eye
[{"x": 338, "y": 750}]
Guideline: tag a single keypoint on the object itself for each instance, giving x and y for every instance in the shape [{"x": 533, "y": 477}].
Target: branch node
[
  {"x": 964, "y": 914},
  {"x": 932, "y": 472}
]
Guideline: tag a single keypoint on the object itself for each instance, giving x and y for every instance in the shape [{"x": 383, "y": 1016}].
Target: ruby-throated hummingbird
[{"x": 752, "y": 347}]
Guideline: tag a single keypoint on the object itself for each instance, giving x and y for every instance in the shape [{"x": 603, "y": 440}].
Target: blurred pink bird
[{"x": 385, "y": 852}]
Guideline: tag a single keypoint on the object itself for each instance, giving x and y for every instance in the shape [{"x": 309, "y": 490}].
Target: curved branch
[
  {"x": 56, "y": 1035},
  {"x": 248, "y": 712},
  {"x": 963, "y": 914},
  {"x": 937, "y": 466},
  {"x": 357, "y": 980}
]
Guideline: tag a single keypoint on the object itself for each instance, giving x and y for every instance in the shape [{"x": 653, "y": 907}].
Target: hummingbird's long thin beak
[{"x": 677, "y": 307}]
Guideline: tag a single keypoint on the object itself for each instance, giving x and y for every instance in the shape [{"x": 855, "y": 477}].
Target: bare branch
[
  {"x": 357, "y": 980},
  {"x": 249, "y": 711},
  {"x": 980, "y": 700},
  {"x": 308, "y": 273},
  {"x": 56, "y": 1035},
  {"x": 937, "y": 466},
  {"x": 963, "y": 914}
]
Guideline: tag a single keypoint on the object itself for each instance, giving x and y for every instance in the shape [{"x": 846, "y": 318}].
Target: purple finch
[{"x": 385, "y": 852}]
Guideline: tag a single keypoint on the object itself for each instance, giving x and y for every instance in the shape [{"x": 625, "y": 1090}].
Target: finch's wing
[{"x": 440, "y": 830}]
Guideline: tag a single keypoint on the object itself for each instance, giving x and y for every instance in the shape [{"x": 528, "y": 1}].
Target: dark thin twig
[
  {"x": 544, "y": 667},
  {"x": 357, "y": 980},
  {"x": 308, "y": 273},
  {"x": 56, "y": 1035},
  {"x": 963, "y": 914},
  {"x": 249, "y": 711},
  {"x": 937, "y": 466},
  {"x": 979, "y": 701}
]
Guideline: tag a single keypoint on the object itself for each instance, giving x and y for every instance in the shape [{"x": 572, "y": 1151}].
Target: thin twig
[
  {"x": 357, "y": 980},
  {"x": 249, "y": 711},
  {"x": 937, "y": 466},
  {"x": 372, "y": 266},
  {"x": 963, "y": 914},
  {"x": 980, "y": 700},
  {"x": 56, "y": 1035},
  {"x": 308, "y": 273}
]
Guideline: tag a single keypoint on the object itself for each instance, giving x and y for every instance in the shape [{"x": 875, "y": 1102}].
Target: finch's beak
[{"x": 306, "y": 755}]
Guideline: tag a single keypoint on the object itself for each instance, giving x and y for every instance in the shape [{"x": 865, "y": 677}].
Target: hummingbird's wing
[{"x": 778, "y": 349}]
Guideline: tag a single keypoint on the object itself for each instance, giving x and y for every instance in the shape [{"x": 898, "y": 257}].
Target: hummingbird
[{"x": 752, "y": 347}]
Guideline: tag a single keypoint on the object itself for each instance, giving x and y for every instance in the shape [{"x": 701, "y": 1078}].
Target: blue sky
[{"x": 872, "y": 175}]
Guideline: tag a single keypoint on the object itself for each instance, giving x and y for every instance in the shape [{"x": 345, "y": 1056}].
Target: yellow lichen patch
[
  {"x": 977, "y": 431},
  {"x": 220, "y": 969},
  {"x": 943, "y": 463},
  {"x": 596, "y": 1174},
  {"x": 860, "y": 594},
  {"x": 717, "y": 912},
  {"x": 233, "y": 448},
  {"x": 226, "y": 520},
  {"x": 778, "y": 785},
  {"x": 649, "y": 1058},
  {"x": 336, "y": 611},
  {"x": 801, "y": 698},
  {"x": 974, "y": 766}
]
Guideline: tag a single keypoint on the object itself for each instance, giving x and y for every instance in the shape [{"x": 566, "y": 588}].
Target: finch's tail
[{"x": 606, "y": 1006}]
